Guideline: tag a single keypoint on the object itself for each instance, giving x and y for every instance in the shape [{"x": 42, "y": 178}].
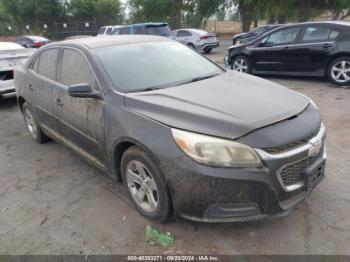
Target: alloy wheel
[
  {"x": 142, "y": 186},
  {"x": 340, "y": 71},
  {"x": 240, "y": 65},
  {"x": 30, "y": 123}
]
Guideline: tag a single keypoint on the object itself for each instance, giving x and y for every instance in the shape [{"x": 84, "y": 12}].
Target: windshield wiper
[
  {"x": 150, "y": 89},
  {"x": 198, "y": 78}
]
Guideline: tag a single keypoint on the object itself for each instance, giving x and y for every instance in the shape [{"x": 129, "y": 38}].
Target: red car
[{"x": 32, "y": 41}]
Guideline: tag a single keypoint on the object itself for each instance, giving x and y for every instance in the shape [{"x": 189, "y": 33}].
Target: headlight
[{"x": 213, "y": 151}]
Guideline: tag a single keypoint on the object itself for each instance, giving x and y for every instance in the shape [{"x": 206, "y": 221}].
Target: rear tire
[
  {"x": 33, "y": 125},
  {"x": 145, "y": 184},
  {"x": 241, "y": 64},
  {"x": 207, "y": 50},
  {"x": 191, "y": 46},
  {"x": 338, "y": 71}
]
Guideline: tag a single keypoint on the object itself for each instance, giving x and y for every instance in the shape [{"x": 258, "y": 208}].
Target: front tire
[
  {"x": 145, "y": 184},
  {"x": 339, "y": 71},
  {"x": 32, "y": 125},
  {"x": 241, "y": 64}
]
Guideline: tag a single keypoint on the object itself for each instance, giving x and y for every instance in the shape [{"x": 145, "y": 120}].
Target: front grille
[
  {"x": 291, "y": 174},
  {"x": 289, "y": 146},
  {"x": 6, "y": 75}
]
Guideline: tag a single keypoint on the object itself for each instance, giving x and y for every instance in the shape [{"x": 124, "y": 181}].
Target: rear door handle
[
  {"x": 327, "y": 45},
  {"x": 59, "y": 102}
]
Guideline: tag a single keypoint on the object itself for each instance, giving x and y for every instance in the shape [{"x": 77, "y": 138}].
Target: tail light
[
  {"x": 37, "y": 44},
  {"x": 204, "y": 37}
]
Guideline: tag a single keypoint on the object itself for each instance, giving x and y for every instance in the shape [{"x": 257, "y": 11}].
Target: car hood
[{"x": 229, "y": 105}]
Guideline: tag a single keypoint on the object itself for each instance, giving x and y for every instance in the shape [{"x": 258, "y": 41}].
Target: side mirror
[
  {"x": 83, "y": 91},
  {"x": 264, "y": 44}
]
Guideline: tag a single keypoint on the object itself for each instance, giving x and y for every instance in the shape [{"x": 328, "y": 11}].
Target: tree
[
  {"x": 177, "y": 12},
  {"x": 105, "y": 11},
  {"x": 156, "y": 11},
  {"x": 34, "y": 12},
  {"x": 282, "y": 11},
  {"x": 199, "y": 11},
  {"x": 83, "y": 9},
  {"x": 109, "y": 12}
]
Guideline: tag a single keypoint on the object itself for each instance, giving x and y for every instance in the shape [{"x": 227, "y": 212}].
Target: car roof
[
  {"x": 114, "y": 26},
  {"x": 148, "y": 24},
  {"x": 113, "y": 40},
  {"x": 272, "y": 25},
  {"x": 343, "y": 23},
  {"x": 193, "y": 30}
]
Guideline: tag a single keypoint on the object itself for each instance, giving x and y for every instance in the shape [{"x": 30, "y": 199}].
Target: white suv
[
  {"x": 197, "y": 39},
  {"x": 107, "y": 29}
]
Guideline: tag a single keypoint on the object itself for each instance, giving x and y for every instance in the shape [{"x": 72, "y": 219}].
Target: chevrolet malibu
[{"x": 185, "y": 137}]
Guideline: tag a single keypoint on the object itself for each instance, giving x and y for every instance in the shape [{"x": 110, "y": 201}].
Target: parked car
[
  {"x": 197, "y": 39},
  {"x": 107, "y": 30},
  {"x": 12, "y": 55},
  {"x": 161, "y": 29},
  {"x": 77, "y": 37},
  {"x": 184, "y": 135},
  {"x": 305, "y": 49},
  {"x": 246, "y": 37},
  {"x": 32, "y": 41}
]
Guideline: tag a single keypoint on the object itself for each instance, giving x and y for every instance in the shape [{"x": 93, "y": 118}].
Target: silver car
[
  {"x": 197, "y": 39},
  {"x": 12, "y": 55}
]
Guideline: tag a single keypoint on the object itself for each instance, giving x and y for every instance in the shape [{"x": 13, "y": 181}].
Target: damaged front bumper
[
  {"x": 211, "y": 194},
  {"x": 7, "y": 89}
]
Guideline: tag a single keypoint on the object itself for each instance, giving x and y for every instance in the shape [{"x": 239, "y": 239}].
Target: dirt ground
[{"x": 52, "y": 202}]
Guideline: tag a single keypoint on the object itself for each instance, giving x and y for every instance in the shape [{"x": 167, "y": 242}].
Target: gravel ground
[{"x": 52, "y": 202}]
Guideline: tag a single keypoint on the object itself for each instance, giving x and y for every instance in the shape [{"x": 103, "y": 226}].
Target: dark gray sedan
[{"x": 183, "y": 135}]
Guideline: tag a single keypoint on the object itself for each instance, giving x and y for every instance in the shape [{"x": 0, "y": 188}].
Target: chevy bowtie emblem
[{"x": 316, "y": 148}]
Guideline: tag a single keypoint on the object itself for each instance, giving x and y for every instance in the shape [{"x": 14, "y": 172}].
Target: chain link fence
[{"x": 52, "y": 30}]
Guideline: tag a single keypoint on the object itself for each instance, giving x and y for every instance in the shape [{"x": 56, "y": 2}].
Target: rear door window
[
  {"x": 101, "y": 31},
  {"x": 162, "y": 30},
  {"x": 139, "y": 30},
  {"x": 75, "y": 69},
  {"x": 183, "y": 33},
  {"x": 47, "y": 63},
  {"x": 124, "y": 31},
  {"x": 319, "y": 33},
  {"x": 109, "y": 31},
  {"x": 35, "y": 65}
]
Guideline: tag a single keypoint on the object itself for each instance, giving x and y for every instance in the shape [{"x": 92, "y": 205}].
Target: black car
[
  {"x": 184, "y": 136},
  {"x": 246, "y": 37},
  {"x": 161, "y": 29},
  {"x": 32, "y": 41},
  {"x": 305, "y": 49}
]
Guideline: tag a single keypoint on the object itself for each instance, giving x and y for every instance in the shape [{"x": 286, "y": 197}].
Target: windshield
[
  {"x": 259, "y": 30},
  {"x": 142, "y": 66},
  {"x": 162, "y": 30}
]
